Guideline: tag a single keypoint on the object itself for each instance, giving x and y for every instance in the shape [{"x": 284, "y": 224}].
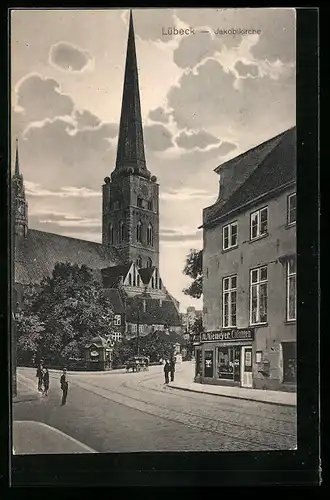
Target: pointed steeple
[
  {"x": 130, "y": 151},
  {"x": 17, "y": 172}
]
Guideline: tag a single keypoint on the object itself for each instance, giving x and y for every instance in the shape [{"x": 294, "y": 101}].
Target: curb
[{"x": 276, "y": 403}]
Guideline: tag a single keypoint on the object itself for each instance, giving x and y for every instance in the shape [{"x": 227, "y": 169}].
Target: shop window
[
  {"x": 228, "y": 363},
  {"x": 258, "y": 295},
  {"x": 259, "y": 223},
  {"x": 292, "y": 209},
  {"x": 229, "y": 299},
  {"x": 229, "y": 236},
  {"x": 291, "y": 307},
  {"x": 289, "y": 362}
]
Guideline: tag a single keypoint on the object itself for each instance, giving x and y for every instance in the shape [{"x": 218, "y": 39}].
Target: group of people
[
  {"x": 169, "y": 370},
  {"x": 43, "y": 382}
]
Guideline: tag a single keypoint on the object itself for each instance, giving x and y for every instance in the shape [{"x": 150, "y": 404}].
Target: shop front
[{"x": 224, "y": 357}]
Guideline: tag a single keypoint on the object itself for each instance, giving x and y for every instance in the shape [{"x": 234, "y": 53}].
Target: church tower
[
  {"x": 130, "y": 213},
  {"x": 19, "y": 203}
]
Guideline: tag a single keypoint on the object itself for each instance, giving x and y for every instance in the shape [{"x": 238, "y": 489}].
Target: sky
[{"x": 206, "y": 97}]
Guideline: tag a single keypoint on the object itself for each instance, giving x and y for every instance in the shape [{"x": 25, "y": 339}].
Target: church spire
[
  {"x": 130, "y": 151},
  {"x": 17, "y": 172}
]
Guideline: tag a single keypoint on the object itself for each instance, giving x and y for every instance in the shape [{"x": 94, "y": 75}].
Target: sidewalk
[
  {"x": 34, "y": 438},
  {"x": 185, "y": 377}
]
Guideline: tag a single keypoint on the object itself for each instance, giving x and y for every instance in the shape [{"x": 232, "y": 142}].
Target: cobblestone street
[{"x": 119, "y": 412}]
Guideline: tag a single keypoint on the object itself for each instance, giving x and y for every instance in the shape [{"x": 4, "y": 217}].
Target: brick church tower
[
  {"x": 130, "y": 214},
  {"x": 19, "y": 203}
]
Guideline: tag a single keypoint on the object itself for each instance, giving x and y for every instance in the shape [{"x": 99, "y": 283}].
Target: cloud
[
  {"x": 245, "y": 70},
  {"x": 174, "y": 235},
  {"x": 32, "y": 189},
  {"x": 184, "y": 194},
  {"x": 195, "y": 139},
  {"x": 39, "y": 97},
  {"x": 159, "y": 115},
  {"x": 86, "y": 119},
  {"x": 69, "y": 57},
  {"x": 157, "y": 137}
]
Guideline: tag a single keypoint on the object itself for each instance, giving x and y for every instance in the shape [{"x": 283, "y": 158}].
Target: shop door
[
  {"x": 246, "y": 367},
  {"x": 208, "y": 364}
]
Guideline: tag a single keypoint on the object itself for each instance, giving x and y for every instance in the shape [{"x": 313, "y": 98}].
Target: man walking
[
  {"x": 172, "y": 369},
  {"x": 40, "y": 375},
  {"x": 64, "y": 386},
  {"x": 166, "y": 371}
]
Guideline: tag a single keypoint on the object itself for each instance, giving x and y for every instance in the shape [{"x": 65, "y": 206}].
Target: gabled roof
[
  {"x": 37, "y": 254},
  {"x": 157, "y": 311},
  {"x": 115, "y": 298},
  {"x": 112, "y": 275},
  {"x": 146, "y": 274},
  {"x": 276, "y": 169}
]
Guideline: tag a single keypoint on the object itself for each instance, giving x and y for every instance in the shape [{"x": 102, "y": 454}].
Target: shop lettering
[{"x": 227, "y": 335}]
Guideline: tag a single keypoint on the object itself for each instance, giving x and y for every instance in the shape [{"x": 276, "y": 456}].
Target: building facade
[
  {"x": 249, "y": 269},
  {"x": 127, "y": 260}
]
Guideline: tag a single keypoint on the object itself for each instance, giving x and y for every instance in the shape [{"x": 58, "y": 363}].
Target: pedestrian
[
  {"x": 64, "y": 386},
  {"x": 46, "y": 381},
  {"x": 166, "y": 371},
  {"x": 172, "y": 369},
  {"x": 40, "y": 376}
]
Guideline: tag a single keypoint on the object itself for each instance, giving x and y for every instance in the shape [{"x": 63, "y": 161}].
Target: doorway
[{"x": 246, "y": 367}]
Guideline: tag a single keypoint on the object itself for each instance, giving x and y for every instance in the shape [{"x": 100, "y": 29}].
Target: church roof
[
  {"x": 112, "y": 275},
  {"x": 157, "y": 312},
  {"x": 115, "y": 298},
  {"x": 37, "y": 254},
  {"x": 146, "y": 274},
  {"x": 276, "y": 168}
]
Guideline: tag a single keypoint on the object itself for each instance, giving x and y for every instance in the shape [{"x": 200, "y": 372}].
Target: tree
[
  {"x": 65, "y": 311},
  {"x": 194, "y": 269}
]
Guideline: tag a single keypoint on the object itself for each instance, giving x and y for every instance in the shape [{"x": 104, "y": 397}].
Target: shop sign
[{"x": 234, "y": 335}]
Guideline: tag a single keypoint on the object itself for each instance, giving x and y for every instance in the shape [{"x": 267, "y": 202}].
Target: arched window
[
  {"x": 121, "y": 231},
  {"x": 111, "y": 234},
  {"x": 130, "y": 280},
  {"x": 160, "y": 284},
  {"x": 139, "y": 232},
  {"x": 150, "y": 235},
  {"x": 134, "y": 280},
  {"x": 152, "y": 282},
  {"x": 149, "y": 262},
  {"x": 139, "y": 261}
]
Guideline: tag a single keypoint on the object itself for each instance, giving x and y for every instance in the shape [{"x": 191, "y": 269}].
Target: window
[
  {"x": 133, "y": 328},
  {"x": 228, "y": 363},
  {"x": 229, "y": 298},
  {"x": 121, "y": 232},
  {"x": 291, "y": 307},
  {"x": 149, "y": 235},
  {"x": 111, "y": 234},
  {"x": 229, "y": 236},
  {"x": 160, "y": 284},
  {"x": 139, "y": 261},
  {"x": 141, "y": 328},
  {"x": 139, "y": 232},
  {"x": 149, "y": 205},
  {"x": 134, "y": 280},
  {"x": 116, "y": 336},
  {"x": 149, "y": 262},
  {"x": 259, "y": 223},
  {"x": 292, "y": 208},
  {"x": 138, "y": 280},
  {"x": 130, "y": 280},
  {"x": 152, "y": 282},
  {"x": 140, "y": 202},
  {"x": 117, "y": 320},
  {"x": 258, "y": 295}
]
